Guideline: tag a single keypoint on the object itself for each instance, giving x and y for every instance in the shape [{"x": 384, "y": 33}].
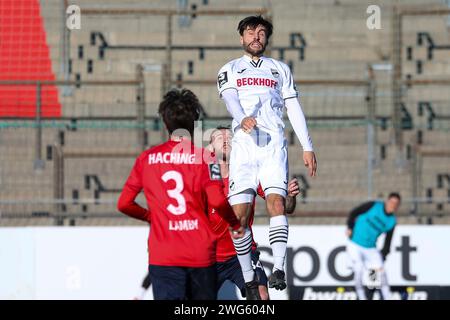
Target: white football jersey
[{"x": 262, "y": 87}]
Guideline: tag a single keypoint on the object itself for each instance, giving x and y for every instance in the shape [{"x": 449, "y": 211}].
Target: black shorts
[
  {"x": 231, "y": 270},
  {"x": 183, "y": 283}
]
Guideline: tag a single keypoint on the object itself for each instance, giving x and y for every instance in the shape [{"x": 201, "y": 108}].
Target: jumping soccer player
[
  {"x": 364, "y": 225},
  {"x": 176, "y": 180},
  {"x": 228, "y": 267},
  {"x": 255, "y": 90}
]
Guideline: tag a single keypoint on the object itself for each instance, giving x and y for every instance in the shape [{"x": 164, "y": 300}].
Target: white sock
[
  {"x": 141, "y": 294},
  {"x": 278, "y": 237},
  {"x": 385, "y": 290},
  {"x": 243, "y": 247},
  {"x": 360, "y": 292}
]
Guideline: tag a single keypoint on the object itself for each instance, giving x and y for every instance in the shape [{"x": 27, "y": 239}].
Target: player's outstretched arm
[
  {"x": 298, "y": 122},
  {"x": 387, "y": 244}
]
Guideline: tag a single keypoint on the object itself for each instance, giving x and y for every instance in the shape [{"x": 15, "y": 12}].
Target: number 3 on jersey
[{"x": 176, "y": 192}]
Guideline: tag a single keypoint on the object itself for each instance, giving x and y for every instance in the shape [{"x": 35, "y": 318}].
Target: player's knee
[
  {"x": 275, "y": 205},
  {"x": 241, "y": 209},
  {"x": 358, "y": 271},
  {"x": 381, "y": 273},
  {"x": 243, "y": 220}
]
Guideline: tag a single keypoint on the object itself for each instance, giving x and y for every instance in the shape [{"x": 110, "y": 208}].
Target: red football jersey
[
  {"x": 173, "y": 176},
  {"x": 225, "y": 247}
]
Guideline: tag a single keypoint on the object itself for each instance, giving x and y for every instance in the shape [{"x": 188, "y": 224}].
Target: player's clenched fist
[{"x": 248, "y": 123}]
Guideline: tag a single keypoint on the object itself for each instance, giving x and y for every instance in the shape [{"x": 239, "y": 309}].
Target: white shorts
[
  {"x": 258, "y": 158},
  {"x": 370, "y": 258}
]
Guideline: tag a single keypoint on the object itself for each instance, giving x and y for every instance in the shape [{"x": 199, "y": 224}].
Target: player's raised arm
[{"x": 212, "y": 184}]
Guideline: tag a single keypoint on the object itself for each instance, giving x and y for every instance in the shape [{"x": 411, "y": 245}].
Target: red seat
[{"x": 24, "y": 55}]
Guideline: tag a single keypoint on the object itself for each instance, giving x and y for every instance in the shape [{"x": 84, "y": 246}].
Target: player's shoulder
[
  {"x": 156, "y": 148},
  {"x": 162, "y": 147},
  {"x": 210, "y": 160},
  {"x": 277, "y": 63},
  {"x": 231, "y": 65},
  {"x": 153, "y": 149}
]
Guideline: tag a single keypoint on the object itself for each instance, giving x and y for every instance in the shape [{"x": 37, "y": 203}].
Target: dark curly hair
[
  {"x": 179, "y": 109},
  {"x": 253, "y": 22},
  {"x": 395, "y": 195}
]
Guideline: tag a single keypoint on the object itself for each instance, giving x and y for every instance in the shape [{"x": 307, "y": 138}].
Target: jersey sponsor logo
[
  {"x": 222, "y": 79},
  {"x": 275, "y": 73},
  {"x": 214, "y": 171},
  {"x": 183, "y": 225},
  {"x": 168, "y": 157},
  {"x": 257, "y": 82},
  {"x": 242, "y": 70}
]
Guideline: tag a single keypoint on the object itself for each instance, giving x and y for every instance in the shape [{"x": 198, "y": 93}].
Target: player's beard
[
  {"x": 222, "y": 157},
  {"x": 225, "y": 157},
  {"x": 253, "y": 52}
]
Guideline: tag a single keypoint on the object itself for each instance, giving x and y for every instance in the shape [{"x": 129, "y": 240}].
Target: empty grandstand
[{"x": 78, "y": 104}]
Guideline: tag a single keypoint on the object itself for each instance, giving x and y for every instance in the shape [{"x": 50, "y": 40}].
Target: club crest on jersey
[
  {"x": 222, "y": 79},
  {"x": 214, "y": 171},
  {"x": 275, "y": 73}
]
